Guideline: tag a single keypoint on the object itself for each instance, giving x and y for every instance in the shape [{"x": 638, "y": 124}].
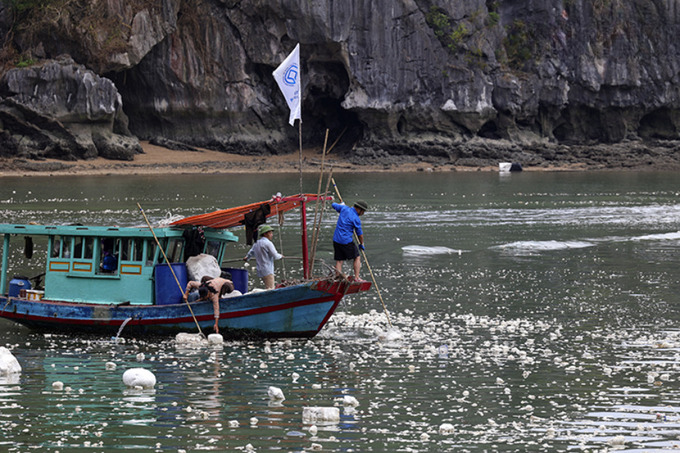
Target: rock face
[{"x": 387, "y": 77}]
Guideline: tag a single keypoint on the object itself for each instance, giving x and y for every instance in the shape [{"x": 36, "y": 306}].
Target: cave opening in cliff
[
  {"x": 323, "y": 112},
  {"x": 659, "y": 124},
  {"x": 322, "y": 107}
]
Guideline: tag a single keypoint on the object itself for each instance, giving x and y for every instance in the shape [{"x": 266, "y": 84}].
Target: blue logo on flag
[{"x": 291, "y": 75}]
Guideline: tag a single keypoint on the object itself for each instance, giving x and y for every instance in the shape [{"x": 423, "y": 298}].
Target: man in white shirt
[{"x": 265, "y": 253}]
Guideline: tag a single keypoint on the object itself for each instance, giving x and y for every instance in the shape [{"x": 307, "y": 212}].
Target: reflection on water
[{"x": 531, "y": 313}]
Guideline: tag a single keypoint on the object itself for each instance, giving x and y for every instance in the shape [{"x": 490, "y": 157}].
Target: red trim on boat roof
[{"x": 232, "y": 217}]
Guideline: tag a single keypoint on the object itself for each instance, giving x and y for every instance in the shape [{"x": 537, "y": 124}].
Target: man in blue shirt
[{"x": 343, "y": 238}]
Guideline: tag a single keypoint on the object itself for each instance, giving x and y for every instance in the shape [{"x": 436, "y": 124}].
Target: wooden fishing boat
[{"x": 78, "y": 290}]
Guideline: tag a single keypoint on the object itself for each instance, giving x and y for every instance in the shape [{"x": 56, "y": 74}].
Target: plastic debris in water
[
  {"x": 215, "y": 338},
  {"x": 140, "y": 357},
  {"x": 58, "y": 386},
  {"x": 139, "y": 377},
  {"x": 295, "y": 376},
  {"x": 110, "y": 366},
  {"x": 8, "y": 363},
  {"x": 446, "y": 429},
  {"x": 253, "y": 421},
  {"x": 316, "y": 414},
  {"x": 275, "y": 394},
  {"x": 313, "y": 430},
  {"x": 349, "y": 400}
]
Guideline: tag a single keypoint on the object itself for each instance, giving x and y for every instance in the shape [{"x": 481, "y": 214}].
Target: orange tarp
[{"x": 232, "y": 217}]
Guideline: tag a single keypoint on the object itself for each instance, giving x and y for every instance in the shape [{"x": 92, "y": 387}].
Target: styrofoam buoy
[
  {"x": 111, "y": 366},
  {"x": 313, "y": 430},
  {"x": 189, "y": 339},
  {"x": 316, "y": 414},
  {"x": 446, "y": 428},
  {"x": 139, "y": 377},
  {"x": 215, "y": 338},
  {"x": 8, "y": 363},
  {"x": 58, "y": 386},
  {"x": 349, "y": 400},
  {"x": 275, "y": 394}
]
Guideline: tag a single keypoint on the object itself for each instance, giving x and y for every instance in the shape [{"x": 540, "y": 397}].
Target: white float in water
[
  {"x": 58, "y": 386},
  {"x": 350, "y": 401},
  {"x": 110, "y": 366},
  {"x": 313, "y": 430},
  {"x": 275, "y": 394},
  {"x": 316, "y": 414},
  {"x": 190, "y": 339},
  {"x": 446, "y": 429},
  {"x": 215, "y": 338},
  {"x": 139, "y": 377},
  {"x": 8, "y": 363}
]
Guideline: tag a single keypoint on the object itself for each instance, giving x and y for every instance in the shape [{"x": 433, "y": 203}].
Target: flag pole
[{"x": 300, "y": 154}]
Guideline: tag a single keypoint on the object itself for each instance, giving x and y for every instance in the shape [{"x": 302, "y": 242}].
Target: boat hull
[{"x": 293, "y": 311}]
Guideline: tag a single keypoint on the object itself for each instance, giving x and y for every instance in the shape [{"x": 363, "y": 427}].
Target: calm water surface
[{"x": 531, "y": 312}]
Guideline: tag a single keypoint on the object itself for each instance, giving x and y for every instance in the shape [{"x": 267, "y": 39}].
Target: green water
[{"x": 532, "y": 312}]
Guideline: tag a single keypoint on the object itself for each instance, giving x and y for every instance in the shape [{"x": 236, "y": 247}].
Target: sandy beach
[{"x": 159, "y": 160}]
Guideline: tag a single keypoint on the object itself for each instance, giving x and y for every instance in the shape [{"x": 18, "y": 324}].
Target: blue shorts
[{"x": 345, "y": 252}]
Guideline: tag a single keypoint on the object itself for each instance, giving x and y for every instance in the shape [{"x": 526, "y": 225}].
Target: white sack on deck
[{"x": 201, "y": 265}]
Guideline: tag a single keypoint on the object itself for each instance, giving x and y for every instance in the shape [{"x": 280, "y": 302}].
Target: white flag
[{"x": 287, "y": 75}]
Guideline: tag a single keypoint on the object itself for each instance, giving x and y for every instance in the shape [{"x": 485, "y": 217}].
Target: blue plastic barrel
[
  {"x": 17, "y": 284},
  {"x": 240, "y": 279},
  {"x": 167, "y": 291}
]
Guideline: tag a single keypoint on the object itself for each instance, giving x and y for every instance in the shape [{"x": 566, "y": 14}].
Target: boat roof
[
  {"x": 105, "y": 231},
  {"x": 233, "y": 217}
]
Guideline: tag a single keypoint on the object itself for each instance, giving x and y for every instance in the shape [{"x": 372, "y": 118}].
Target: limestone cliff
[{"x": 388, "y": 77}]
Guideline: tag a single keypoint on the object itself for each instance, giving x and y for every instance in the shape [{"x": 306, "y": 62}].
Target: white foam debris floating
[
  {"x": 315, "y": 414},
  {"x": 275, "y": 394},
  {"x": 110, "y": 366},
  {"x": 58, "y": 386},
  {"x": 446, "y": 429},
  {"x": 215, "y": 338},
  {"x": 8, "y": 363},
  {"x": 190, "y": 339},
  {"x": 350, "y": 401},
  {"x": 139, "y": 378}
]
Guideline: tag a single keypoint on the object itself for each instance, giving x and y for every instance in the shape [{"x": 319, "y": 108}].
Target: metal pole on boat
[
  {"x": 305, "y": 256},
  {"x": 167, "y": 261},
  {"x": 365, "y": 260},
  {"x": 5, "y": 261}
]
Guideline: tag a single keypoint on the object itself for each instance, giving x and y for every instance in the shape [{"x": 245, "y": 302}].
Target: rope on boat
[{"x": 181, "y": 290}]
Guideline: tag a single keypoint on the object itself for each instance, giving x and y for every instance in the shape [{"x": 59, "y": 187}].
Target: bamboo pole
[
  {"x": 315, "y": 230},
  {"x": 366, "y": 261},
  {"x": 181, "y": 290}
]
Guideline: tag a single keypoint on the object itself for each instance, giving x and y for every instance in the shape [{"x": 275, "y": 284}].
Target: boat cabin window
[
  {"x": 109, "y": 251},
  {"x": 213, "y": 248},
  {"x": 83, "y": 248},
  {"x": 150, "y": 252},
  {"x": 174, "y": 250},
  {"x": 61, "y": 247},
  {"x": 132, "y": 250}
]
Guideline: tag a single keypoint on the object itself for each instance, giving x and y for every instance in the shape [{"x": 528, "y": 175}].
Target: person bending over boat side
[
  {"x": 343, "y": 238},
  {"x": 265, "y": 253},
  {"x": 211, "y": 288}
]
